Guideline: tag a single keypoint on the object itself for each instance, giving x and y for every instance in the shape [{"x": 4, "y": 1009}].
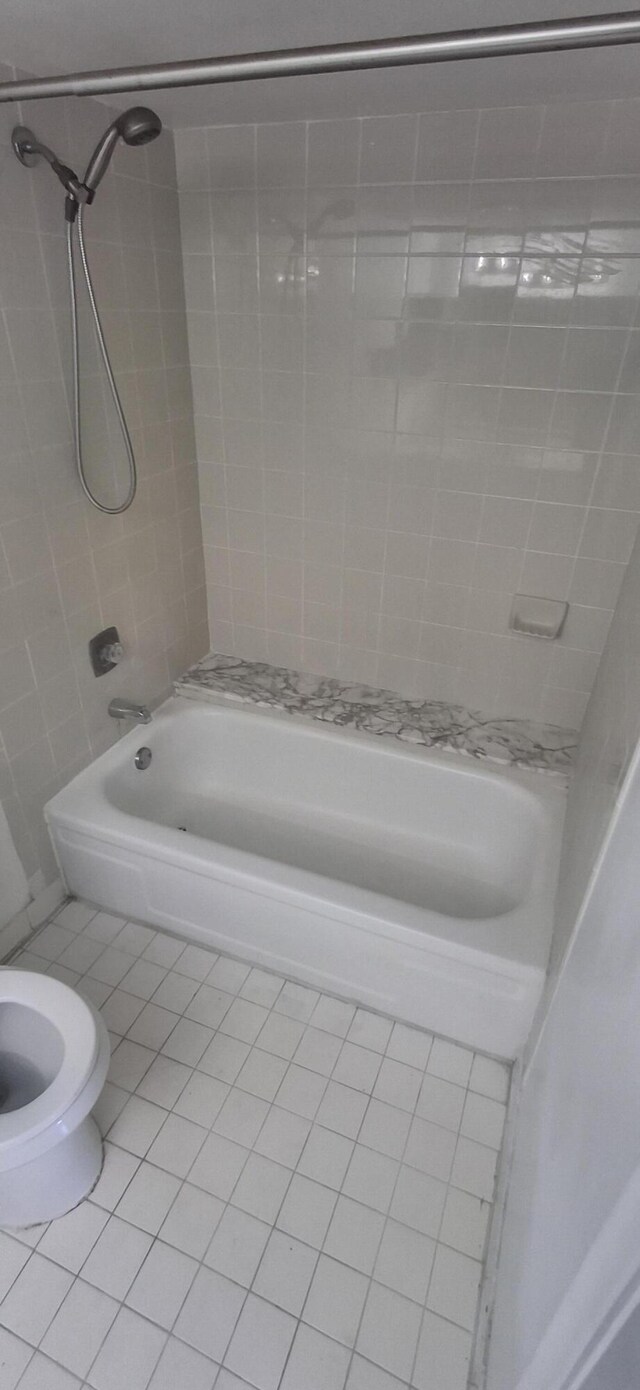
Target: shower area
[{"x": 320, "y": 401}]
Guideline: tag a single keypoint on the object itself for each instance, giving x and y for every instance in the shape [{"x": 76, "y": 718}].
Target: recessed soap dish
[{"x": 538, "y": 617}]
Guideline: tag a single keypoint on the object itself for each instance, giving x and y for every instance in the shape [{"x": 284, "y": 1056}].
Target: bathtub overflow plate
[{"x": 142, "y": 759}]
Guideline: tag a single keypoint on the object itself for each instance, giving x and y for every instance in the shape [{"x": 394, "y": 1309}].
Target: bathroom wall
[
  {"x": 415, "y": 363},
  {"x": 610, "y": 734},
  {"x": 67, "y": 571}
]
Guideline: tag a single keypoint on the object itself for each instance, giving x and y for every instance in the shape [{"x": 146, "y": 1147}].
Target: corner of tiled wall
[
  {"x": 415, "y": 356},
  {"x": 66, "y": 571}
]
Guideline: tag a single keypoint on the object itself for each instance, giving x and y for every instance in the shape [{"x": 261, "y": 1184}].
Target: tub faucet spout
[{"x": 129, "y": 709}]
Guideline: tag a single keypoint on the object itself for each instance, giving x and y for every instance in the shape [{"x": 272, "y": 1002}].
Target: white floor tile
[
  {"x": 182, "y": 1368},
  {"x": 244, "y": 1020},
  {"x": 13, "y": 1258},
  {"x": 354, "y": 1234},
  {"x": 389, "y": 1330},
  {"x": 177, "y": 1145},
  {"x": 371, "y": 1178},
  {"x": 129, "y": 1062},
  {"x": 120, "y": 1010},
  {"x": 69, "y": 1240},
  {"x": 333, "y": 1016},
  {"x": 210, "y": 1313},
  {"x": 14, "y": 1357},
  {"x": 237, "y": 1246},
  {"x": 79, "y": 1327},
  {"x": 228, "y": 1381},
  {"x": 241, "y": 1117},
  {"x": 301, "y": 1090},
  {"x": 81, "y": 954},
  {"x": 450, "y": 1062},
  {"x": 116, "y": 1257},
  {"x": 285, "y": 1272},
  {"x": 405, "y": 1260},
  {"x": 143, "y": 978},
  {"x": 430, "y": 1148},
  {"x": 201, "y": 1099},
  {"x": 224, "y": 1057},
  {"x": 261, "y": 987},
  {"x": 108, "y": 1106},
  {"x": 474, "y": 1168},
  {"x": 148, "y": 1197},
  {"x": 162, "y": 1284},
  {"x": 260, "y": 1343},
  {"x": 191, "y": 1221},
  {"x": 134, "y": 938},
  {"x": 283, "y": 1136},
  {"x": 187, "y": 1042},
  {"x": 261, "y": 1074},
  {"x": 129, "y": 1354},
  {"x": 218, "y": 1166},
  {"x": 152, "y": 1027},
  {"x": 315, "y": 1362},
  {"x": 483, "y": 1120},
  {"x": 398, "y": 1084},
  {"x": 358, "y": 1067},
  {"x": 409, "y": 1045},
  {"x": 112, "y": 966},
  {"x": 370, "y": 1030},
  {"x": 117, "y": 1172},
  {"x": 196, "y": 962},
  {"x": 443, "y": 1356},
  {"x": 280, "y": 1035},
  {"x": 441, "y": 1102},
  {"x": 342, "y": 1109},
  {"x": 163, "y": 1083},
  {"x": 104, "y": 927},
  {"x": 228, "y": 975},
  {"x": 489, "y": 1078},
  {"x": 164, "y": 950},
  {"x": 306, "y": 1211},
  {"x": 453, "y": 1291},
  {"x": 297, "y": 1001},
  {"x": 53, "y": 941},
  {"x": 137, "y": 1125},
  {"x": 465, "y": 1221},
  {"x": 75, "y": 915},
  {"x": 261, "y": 1187},
  {"x": 363, "y": 1375},
  {"x": 175, "y": 992},
  {"x": 44, "y": 1374},
  {"x": 335, "y": 1300},
  {"x": 34, "y": 1298},
  {"x": 418, "y": 1201},
  {"x": 318, "y": 1051},
  {"x": 209, "y": 1006},
  {"x": 326, "y": 1156},
  {"x": 385, "y": 1128}
]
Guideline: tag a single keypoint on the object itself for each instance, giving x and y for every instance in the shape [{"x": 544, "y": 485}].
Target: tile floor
[{"x": 295, "y": 1193}]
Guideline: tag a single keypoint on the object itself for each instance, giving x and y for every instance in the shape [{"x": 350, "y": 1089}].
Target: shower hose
[{"x": 133, "y": 478}]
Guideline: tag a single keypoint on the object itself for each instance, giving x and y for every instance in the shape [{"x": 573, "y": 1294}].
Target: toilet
[{"x": 54, "y": 1057}]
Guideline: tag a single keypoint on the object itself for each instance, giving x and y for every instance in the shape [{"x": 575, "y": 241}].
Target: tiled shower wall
[
  {"x": 415, "y": 363},
  {"x": 66, "y": 571}
]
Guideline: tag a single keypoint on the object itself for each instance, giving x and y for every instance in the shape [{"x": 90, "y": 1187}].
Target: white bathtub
[{"x": 418, "y": 883}]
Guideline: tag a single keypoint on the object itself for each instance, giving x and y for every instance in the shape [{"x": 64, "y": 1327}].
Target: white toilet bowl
[{"x": 54, "y": 1057}]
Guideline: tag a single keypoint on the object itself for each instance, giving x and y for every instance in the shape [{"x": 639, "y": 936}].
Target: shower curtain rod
[{"x": 592, "y": 31}]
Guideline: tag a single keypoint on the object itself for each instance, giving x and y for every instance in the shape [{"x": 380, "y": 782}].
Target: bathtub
[{"x": 415, "y": 882}]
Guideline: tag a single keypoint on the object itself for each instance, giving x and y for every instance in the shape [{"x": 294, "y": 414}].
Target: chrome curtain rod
[{"x": 592, "y": 31}]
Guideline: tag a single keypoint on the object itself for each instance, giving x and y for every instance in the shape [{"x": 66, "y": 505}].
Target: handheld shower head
[{"x": 137, "y": 126}]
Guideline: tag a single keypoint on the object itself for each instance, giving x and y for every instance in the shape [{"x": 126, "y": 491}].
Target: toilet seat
[{"x": 75, "y": 1021}]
